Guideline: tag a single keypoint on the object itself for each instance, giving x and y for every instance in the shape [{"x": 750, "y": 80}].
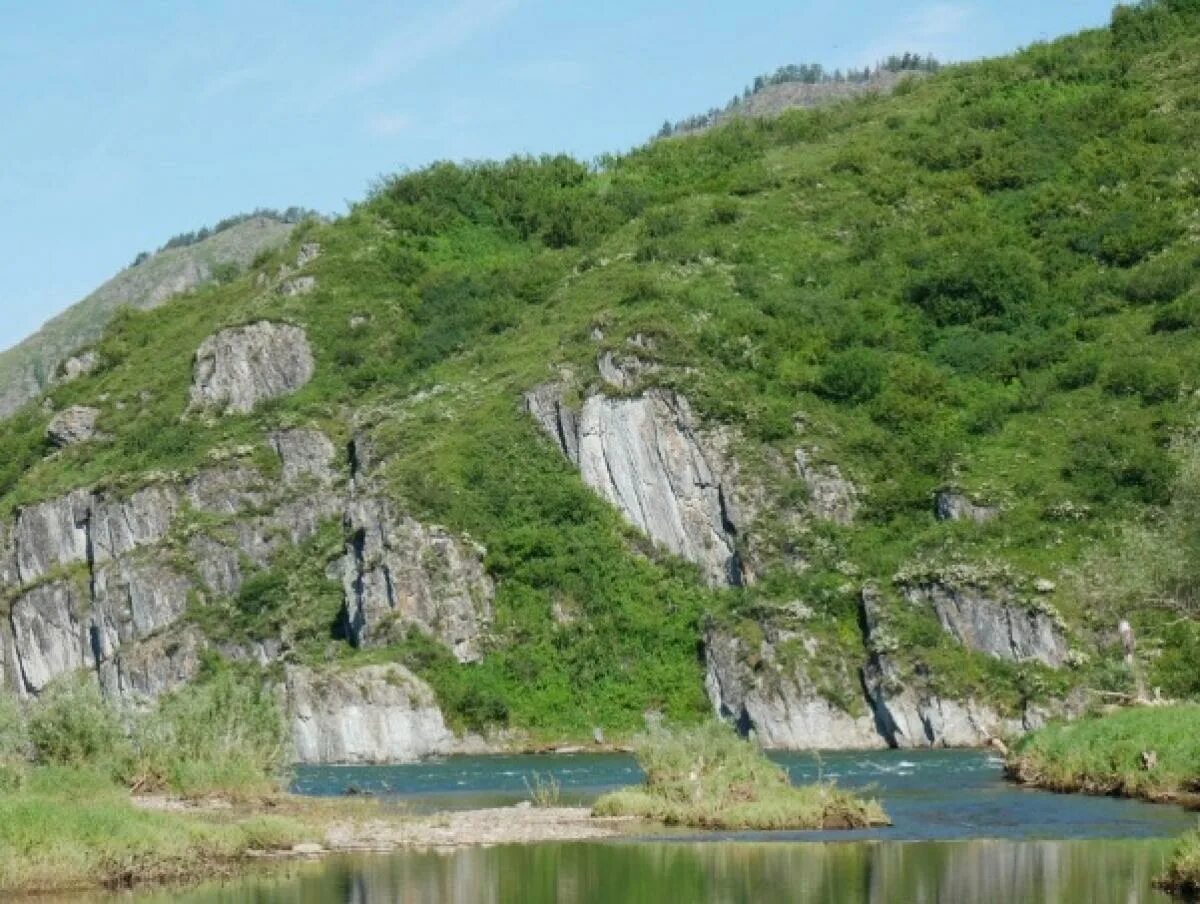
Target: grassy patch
[
  {"x": 1183, "y": 872},
  {"x": 707, "y": 777},
  {"x": 1151, "y": 752},
  {"x": 70, "y": 827}
]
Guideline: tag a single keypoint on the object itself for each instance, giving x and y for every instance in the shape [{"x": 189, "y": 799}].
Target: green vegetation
[
  {"x": 68, "y": 765},
  {"x": 988, "y": 279},
  {"x": 223, "y": 735},
  {"x": 73, "y": 828},
  {"x": 1148, "y": 752},
  {"x": 1183, "y": 872},
  {"x": 707, "y": 777}
]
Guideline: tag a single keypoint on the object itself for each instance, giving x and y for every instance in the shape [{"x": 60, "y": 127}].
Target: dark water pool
[{"x": 961, "y": 835}]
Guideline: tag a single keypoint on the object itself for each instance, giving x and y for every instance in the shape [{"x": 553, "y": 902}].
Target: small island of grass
[
  {"x": 708, "y": 777},
  {"x": 1150, "y": 752}
]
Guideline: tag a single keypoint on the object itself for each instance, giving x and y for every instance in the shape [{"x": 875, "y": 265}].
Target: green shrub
[
  {"x": 1155, "y": 380},
  {"x": 1120, "y": 460},
  {"x": 223, "y": 733},
  {"x": 71, "y": 725},
  {"x": 972, "y": 283},
  {"x": 855, "y": 375},
  {"x": 1181, "y": 314}
]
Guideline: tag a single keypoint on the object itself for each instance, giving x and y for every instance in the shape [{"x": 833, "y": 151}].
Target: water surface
[{"x": 961, "y": 835}]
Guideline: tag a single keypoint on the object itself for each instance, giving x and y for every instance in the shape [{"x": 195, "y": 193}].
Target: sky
[{"x": 125, "y": 122}]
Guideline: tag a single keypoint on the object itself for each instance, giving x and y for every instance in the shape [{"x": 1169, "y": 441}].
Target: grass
[
  {"x": 706, "y": 777},
  {"x": 73, "y": 828},
  {"x": 1183, "y": 872},
  {"x": 1147, "y": 752}
]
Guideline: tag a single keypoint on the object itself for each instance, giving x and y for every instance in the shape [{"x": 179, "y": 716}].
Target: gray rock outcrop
[
  {"x": 76, "y": 424},
  {"x": 304, "y": 454},
  {"x": 781, "y": 705},
  {"x": 993, "y": 621},
  {"x": 949, "y": 505},
  {"x": 373, "y": 714},
  {"x": 297, "y": 285},
  {"x": 398, "y": 572},
  {"x": 80, "y": 365},
  {"x": 240, "y": 367},
  {"x": 830, "y": 495},
  {"x": 49, "y": 633},
  {"x": 908, "y": 714},
  {"x": 646, "y": 456}
]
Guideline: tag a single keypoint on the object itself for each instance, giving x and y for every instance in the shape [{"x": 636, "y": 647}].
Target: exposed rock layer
[
  {"x": 646, "y": 456},
  {"x": 371, "y": 714},
  {"x": 239, "y": 367}
]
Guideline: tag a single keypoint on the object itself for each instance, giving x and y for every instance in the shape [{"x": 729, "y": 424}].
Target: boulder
[
  {"x": 372, "y": 714},
  {"x": 298, "y": 285},
  {"x": 240, "y": 367},
  {"x": 309, "y": 252},
  {"x": 73, "y": 425},
  {"x": 399, "y": 573},
  {"x": 79, "y": 365}
]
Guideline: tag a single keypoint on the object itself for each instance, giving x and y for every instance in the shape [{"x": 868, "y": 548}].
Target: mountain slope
[
  {"x": 30, "y": 366},
  {"x": 830, "y": 421}
]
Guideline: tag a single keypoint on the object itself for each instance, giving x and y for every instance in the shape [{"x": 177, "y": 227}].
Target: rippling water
[{"x": 961, "y": 835}]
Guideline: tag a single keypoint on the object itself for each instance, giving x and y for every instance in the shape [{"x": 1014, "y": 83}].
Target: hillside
[
  {"x": 864, "y": 425},
  {"x": 30, "y": 366}
]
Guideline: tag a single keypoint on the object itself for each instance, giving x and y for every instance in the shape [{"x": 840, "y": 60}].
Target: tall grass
[
  {"x": 1183, "y": 872},
  {"x": 1150, "y": 752},
  {"x": 71, "y": 826},
  {"x": 708, "y": 777},
  {"x": 221, "y": 735}
]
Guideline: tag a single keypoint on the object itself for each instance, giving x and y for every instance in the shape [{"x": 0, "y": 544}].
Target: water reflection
[{"x": 730, "y": 872}]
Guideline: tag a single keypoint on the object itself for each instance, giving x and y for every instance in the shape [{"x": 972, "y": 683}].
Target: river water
[{"x": 961, "y": 834}]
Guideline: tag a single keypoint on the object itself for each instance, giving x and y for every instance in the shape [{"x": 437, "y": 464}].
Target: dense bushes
[{"x": 223, "y": 733}]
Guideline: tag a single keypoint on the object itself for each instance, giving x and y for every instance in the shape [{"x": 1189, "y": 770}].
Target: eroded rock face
[
  {"x": 782, "y": 706},
  {"x": 907, "y": 713},
  {"x": 237, "y": 368},
  {"x": 52, "y": 534},
  {"x": 305, "y": 454},
  {"x": 49, "y": 634},
  {"x": 158, "y": 666},
  {"x": 132, "y": 599},
  {"x": 398, "y": 572},
  {"x": 949, "y": 505},
  {"x": 73, "y": 425},
  {"x": 646, "y": 457},
  {"x": 120, "y": 526},
  {"x": 830, "y": 495},
  {"x": 992, "y": 621},
  {"x": 373, "y": 714}
]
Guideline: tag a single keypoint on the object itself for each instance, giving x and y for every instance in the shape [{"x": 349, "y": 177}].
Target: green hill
[
  {"x": 32, "y": 365},
  {"x": 896, "y": 384}
]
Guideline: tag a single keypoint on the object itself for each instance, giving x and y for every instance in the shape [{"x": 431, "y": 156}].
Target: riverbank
[{"x": 1151, "y": 753}]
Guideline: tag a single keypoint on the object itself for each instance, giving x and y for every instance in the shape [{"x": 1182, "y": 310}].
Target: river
[{"x": 961, "y": 834}]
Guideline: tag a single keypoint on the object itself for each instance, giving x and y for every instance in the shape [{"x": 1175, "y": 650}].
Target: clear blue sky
[{"x": 126, "y": 121}]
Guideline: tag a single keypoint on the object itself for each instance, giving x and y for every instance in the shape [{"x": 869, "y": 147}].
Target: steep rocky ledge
[
  {"x": 993, "y": 621},
  {"x": 100, "y": 582},
  {"x": 647, "y": 457},
  {"x": 769, "y": 680},
  {"x": 372, "y": 714}
]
